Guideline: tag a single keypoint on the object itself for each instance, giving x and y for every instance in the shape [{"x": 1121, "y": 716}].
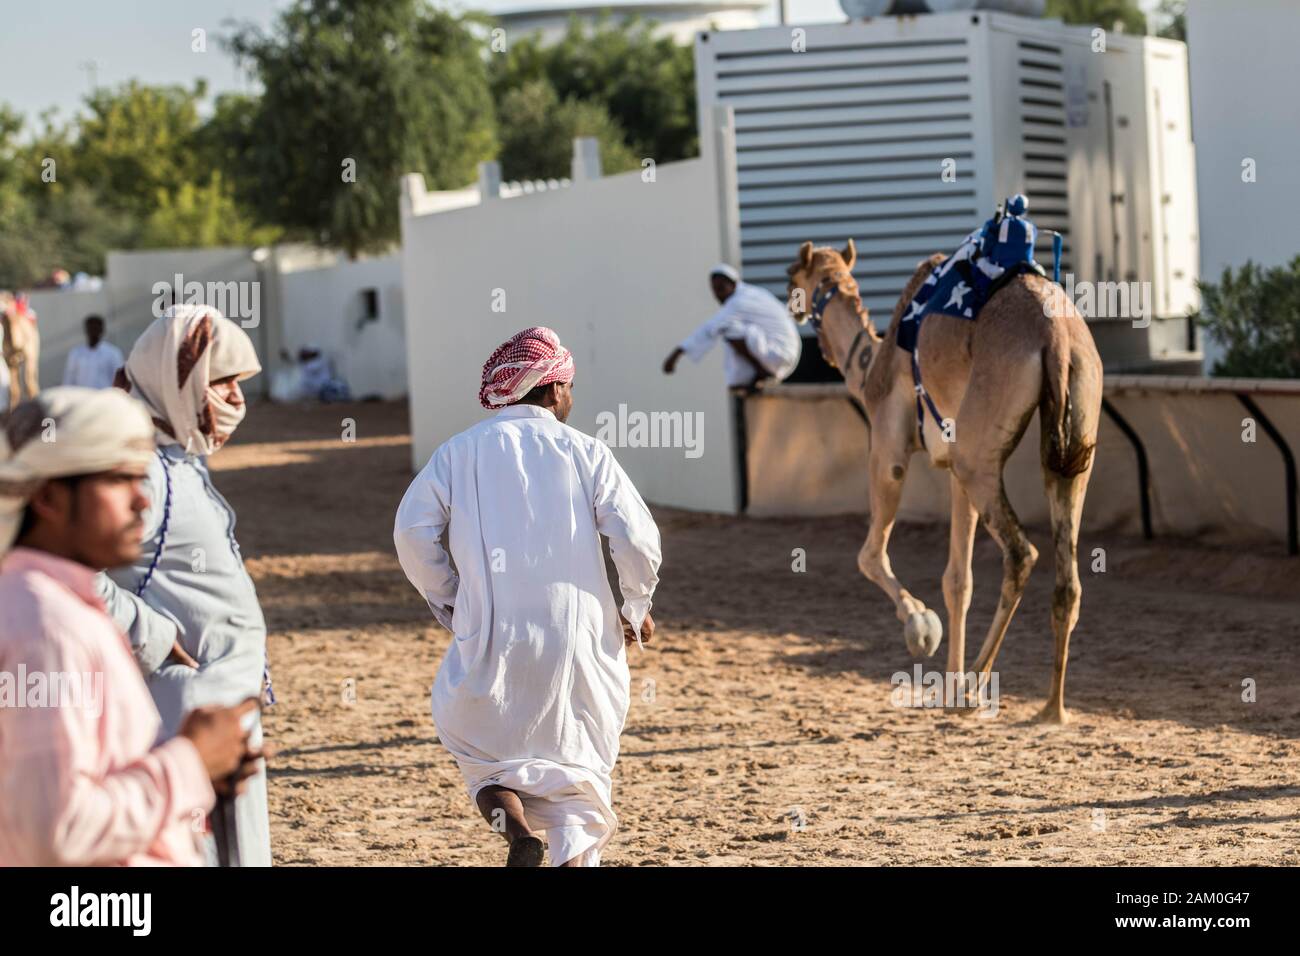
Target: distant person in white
[
  {"x": 534, "y": 690},
  {"x": 94, "y": 364},
  {"x": 762, "y": 341},
  {"x": 4, "y": 377}
]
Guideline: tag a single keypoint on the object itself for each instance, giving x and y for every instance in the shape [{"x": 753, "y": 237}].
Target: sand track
[{"x": 767, "y": 735}]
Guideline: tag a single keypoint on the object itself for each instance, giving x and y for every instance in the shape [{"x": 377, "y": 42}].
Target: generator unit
[{"x": 905, "y": 132}]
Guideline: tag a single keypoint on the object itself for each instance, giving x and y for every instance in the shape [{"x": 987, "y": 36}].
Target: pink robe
[{"x": 81, "y": 780}]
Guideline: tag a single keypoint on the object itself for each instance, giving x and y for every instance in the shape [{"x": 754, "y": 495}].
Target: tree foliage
[
  {"x": 1172, "y": 18},
  {"x": 138, "y": 168},
  {"x": 135, "y": 143},
  {"x": 646, "y": 84},
  {"x": 538, "y": 129},
  {"x": 1255, "y": 315},
  {"x": 196, "y": 215},
  {"x": 375, "y": 87},
  {"x": 1102, "y": 13}
]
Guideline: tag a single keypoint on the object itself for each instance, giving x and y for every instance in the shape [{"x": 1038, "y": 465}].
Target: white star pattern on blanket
[{"x": 958, "y": 294}]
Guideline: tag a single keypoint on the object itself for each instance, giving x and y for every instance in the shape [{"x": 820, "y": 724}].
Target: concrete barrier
[{"x": 1218, "y": 459}]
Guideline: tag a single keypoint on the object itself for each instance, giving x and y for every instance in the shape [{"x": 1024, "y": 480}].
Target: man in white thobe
[
  {"x": 534, "y": 690},
  {"x": 762, "y": 341},
  {"x": 94, "y": 364}
]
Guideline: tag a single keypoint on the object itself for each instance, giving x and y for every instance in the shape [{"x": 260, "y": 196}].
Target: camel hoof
[
  {"x": 923, "y": 632},
  {"x": 936, "y": 632},
  {"x": 1053, "y": 714}
]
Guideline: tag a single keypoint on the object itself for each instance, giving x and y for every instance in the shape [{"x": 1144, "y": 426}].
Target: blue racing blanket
[{"x": 961, "y": 284}]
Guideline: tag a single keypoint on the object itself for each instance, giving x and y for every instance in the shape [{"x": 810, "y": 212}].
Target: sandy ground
[{"x": 762, "y": 729}]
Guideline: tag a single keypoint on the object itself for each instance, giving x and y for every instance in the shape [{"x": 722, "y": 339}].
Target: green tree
[
  {"x": 537, "y": 133},
  {"x": 48, "y": 223},
  {"x": 135, "y": 143},
  {"x": 11, "y": 125},
  {"x": 83, "y": 230},
  {"x": 1255, "y": 315},
  {"x": 374, "y": 88},
  {"x": 1102, "y": 13},
  {"x": 194, "y": 215},
  {"x": 137, "y": 168},
  {"x": 645, "y": 83},
  {"x": 1172, "y": 16},
  {"x": 222, "y": 144}
]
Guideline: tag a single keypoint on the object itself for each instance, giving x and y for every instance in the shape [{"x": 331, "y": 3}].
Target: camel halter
[{"x": 822, "y": 295}]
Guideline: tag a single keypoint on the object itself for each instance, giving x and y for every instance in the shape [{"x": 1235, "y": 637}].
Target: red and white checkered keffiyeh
[{"x": 533, "y": 357}]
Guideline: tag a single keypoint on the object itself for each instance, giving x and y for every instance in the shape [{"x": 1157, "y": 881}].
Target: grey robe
[{"x": 198, "y": 591}]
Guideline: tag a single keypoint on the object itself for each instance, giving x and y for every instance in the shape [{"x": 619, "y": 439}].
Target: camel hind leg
[
  {"x": 1019, "y": 556},
  {"x": 994, "y": 416},
  {"x": 1065, "y": 499}
]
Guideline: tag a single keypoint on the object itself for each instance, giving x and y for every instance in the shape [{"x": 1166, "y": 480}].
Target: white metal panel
[
  {"x": 1177, "y": 243},
  {"x": 848, "y": 138},
  {"x": 1044, "y": 150}
]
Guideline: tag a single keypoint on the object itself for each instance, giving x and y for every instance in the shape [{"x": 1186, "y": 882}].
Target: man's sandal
[{"x": 526, "y": 851}]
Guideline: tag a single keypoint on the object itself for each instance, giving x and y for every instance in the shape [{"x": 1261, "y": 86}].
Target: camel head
[
  {"x": 818, "y": 272},
  {"x": 15, "y": 306}
]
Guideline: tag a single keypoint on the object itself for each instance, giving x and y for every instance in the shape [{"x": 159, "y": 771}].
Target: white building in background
[
  {"x": 681, "y": 20},
  {"x": 351, "y": 310},
  {"x": 1246, "y": 124}
]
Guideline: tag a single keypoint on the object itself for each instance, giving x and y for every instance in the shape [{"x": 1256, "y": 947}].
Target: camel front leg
[
  {"x": 30, "y": 377},
  {"x": 887, "y": 467},
  {"x": 15, "y": 387}
]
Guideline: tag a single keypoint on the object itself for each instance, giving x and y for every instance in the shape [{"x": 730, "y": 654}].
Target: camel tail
[{"x": 1066, "y": 449}]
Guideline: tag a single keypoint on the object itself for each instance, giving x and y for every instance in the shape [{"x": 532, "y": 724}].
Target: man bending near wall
[{"x": 762, "y": 341}]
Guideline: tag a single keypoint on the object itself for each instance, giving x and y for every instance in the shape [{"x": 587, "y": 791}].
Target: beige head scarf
[
  {"x": 171, "y": 369},
  {"x": 66, "y": 431}
]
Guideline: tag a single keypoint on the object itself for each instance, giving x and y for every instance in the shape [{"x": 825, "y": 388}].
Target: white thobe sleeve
[
  {"x": 151, "y": 633},
  {"x": 417, "y": 533},
  {"x": 697, "y": 344},
  {"x": 70, "y": 369},
  {"x": 623, "y": 518}
]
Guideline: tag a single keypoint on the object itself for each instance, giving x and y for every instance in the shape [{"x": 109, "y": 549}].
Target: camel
[
  {"x": 1029, "y": 349},
  {"x": 22, "y": 347}
]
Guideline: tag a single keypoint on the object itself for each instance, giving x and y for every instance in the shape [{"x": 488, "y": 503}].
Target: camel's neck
[{"x": 849, "y": 341}]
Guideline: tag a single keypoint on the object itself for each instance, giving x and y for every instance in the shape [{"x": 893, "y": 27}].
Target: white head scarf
[
  {"x": 66, "y": 431},
  {"x": 172, "y": 367},
  {"x": 722, "y": 269}
]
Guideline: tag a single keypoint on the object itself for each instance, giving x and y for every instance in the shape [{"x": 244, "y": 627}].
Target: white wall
[
  {"x": 618, "y": 267},
  {"x": 1244, "y": 105},
  {"x": 808, "y": 456},
  {"x": 323, "y": 306},
  {"x": 304, "y": 295}
]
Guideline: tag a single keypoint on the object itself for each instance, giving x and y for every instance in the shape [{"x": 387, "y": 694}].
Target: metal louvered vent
[
  {"x": 849, "y": 140},
  {"x": 1041, "y": 89}
]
